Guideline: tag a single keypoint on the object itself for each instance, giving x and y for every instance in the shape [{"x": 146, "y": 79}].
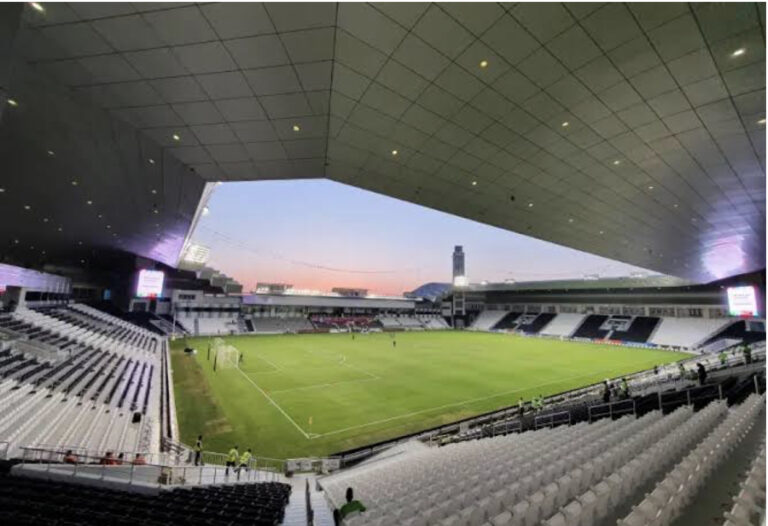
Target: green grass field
[{"x": 301, "y": 395}]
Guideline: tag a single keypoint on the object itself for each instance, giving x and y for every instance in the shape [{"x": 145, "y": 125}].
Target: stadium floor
[{"x": 302, "y": 395}]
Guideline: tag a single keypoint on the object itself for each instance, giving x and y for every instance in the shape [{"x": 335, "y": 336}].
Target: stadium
[{"x": 172, "y": 349}]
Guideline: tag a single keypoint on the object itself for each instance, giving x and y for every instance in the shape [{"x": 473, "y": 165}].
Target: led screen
[
  {"x": 150, "y": 284},
  {"x": 742, "y": 301}
]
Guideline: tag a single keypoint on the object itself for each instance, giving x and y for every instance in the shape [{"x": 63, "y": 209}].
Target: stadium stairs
[
  {"x": 579, "y": 474},
  {"x": 639, "y": 330},
  {"x": 739, "y": 331},
  {"x": 487, "y": 319}
]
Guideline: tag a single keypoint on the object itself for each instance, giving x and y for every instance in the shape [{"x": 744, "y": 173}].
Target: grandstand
[{"x": 630, "y": 131}]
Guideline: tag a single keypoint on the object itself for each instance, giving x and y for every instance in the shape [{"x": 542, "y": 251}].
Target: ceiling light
[
  {"x": 565, "y": 124},
  {"x": 74, "y": 183},
  {"x": 601, "y": 232},
  {"x": 151, "y": 161},
  {"x": 738, "y": 52},
  {"x": 154, "y": 191},
  {"x": 156, "y": 211},
  {"x": 483, "y": 64},
  {"x": 394, "y": 152},
  {"x": 82, "y": 261},
  {"x": 474, "y": 183},
  {"x": 79, "y": 242},
  {"x": 761, "y": 121},
  {"x": 570, "y": 220},
  {"x": 206, "y": 211},
  {"x": 109, "y": 226},
  {"x": 530, "y": 205},
  {"x": 12, "y": 102},
  {"x": 675, "y": 205},
  {"x": 616, "y": 162},
  {"x": 650, "y": 187},
  {"x": 27, "y": 207},
  {"x": 37, "y": 7},
  {"x": 100, "y": 216},
  {"x": 176, "y": 137},
  {"x": 89, "y": 202},
  {"x": 45, "y": 220},
  {"x": 16, "y": 241},
  {"x": 296, "y": 128},
  {"x": 50, "y": 152},
  {"x": 60, "y": 229},
  {"x": 2, "y": 190}
]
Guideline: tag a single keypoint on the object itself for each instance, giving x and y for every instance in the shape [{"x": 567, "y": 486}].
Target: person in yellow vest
[
  {"x": 245, "y": 459},
  {"x": 232, "y": 459}
]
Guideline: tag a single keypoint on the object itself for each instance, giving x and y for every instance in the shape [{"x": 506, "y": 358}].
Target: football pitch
[{"x": 305, "y": 395}]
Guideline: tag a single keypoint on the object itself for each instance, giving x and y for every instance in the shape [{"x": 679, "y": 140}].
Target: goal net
[{"x": 226, "y": 355}]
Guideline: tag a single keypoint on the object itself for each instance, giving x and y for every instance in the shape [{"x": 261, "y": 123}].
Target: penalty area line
[{"x": 271, "y": 401}]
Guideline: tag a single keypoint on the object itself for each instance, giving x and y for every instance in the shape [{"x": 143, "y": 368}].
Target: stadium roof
[
  {"x": 631, "y": 131},
  {"x": 627, "y": 282}
]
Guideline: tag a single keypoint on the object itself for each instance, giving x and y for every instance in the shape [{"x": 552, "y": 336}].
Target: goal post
[{"x": 226, "y": 356}]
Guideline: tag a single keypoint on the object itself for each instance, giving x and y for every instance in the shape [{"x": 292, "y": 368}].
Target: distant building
[
  {"x": 350, "y": 292},
  {"x": 458, "y": 262},
  {"x": 274, "y": 288}
]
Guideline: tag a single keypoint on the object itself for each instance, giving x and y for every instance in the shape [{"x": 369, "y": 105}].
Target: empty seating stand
[
  {"x": 31, "y": 501},
  {"x": 639, "y": 330},
  {"x": 507, "y": 322},
  {"x": 590, "y": 327},
  {"x": 538, "y": 323}
]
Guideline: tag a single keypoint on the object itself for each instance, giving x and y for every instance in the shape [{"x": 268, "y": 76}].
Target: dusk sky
[{"x": 319, "y": 234}]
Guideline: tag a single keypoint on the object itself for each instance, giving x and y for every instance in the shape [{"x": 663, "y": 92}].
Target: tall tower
[
  {"x": 459, "y": 282},
  {"x": 458, "y": 263}
]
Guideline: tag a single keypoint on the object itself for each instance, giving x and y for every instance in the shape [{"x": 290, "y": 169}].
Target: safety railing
[
  {"x": 266, "y": 464},
  {"x": 612, "y": 409},
  {"x": 134, "y": 470},
  {"x": 552, "y": 419}
]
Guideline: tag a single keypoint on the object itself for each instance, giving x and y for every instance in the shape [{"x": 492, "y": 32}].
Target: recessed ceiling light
[
  {"x": 79, "y": 242},
  {"x": 16, "y": 241},
  {"x": 82, "y": 261},
  {"x": 296, "y": 128},
  {"x": 565, "y": 124},
  {"x": 176, "y": 137},
  {"x": 2, "y": 190},
  {"x": 675, "y": 205},
  {"x": 483, "y": 64},
  {"x": 100, "y": 216},
  {"x": 156, "y": 211},
  {"x": 12, "y": 102},
  {"x": 570, "y": 220},
  {"x": 650, "y": 187},
  {"x": 530, "y": 205},
  {"x": 42, "y": 251},
  {"x": 27, "y": 207},
  {"x": 154, "y": 191},
  {"x": 74, "y": 183},
  {"x": 693, "y": 219},
  {"x": 474, "y": 183},
  {"x": 616, "y": 162},
  {"x": 50, "y": 152},
  {"x": 89, "y": 202},
  {"x": 761, "y": 121},
  {"x": 151, "y": 161},
  {"x": 109, "y": 226},
  {"x": 601, "y": 232},
  {"x": 394, "y": 152},
  {"x": 738, "y": 52},
  {"x": 37, "y": 7},
  {"x": 45, "y": 220},
  {"x": 60, "y": 229}
]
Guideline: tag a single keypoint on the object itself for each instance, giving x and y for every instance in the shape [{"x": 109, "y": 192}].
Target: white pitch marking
[
  {"x": 456, "y": 404},
  {"x": 286, "y": 415}
]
